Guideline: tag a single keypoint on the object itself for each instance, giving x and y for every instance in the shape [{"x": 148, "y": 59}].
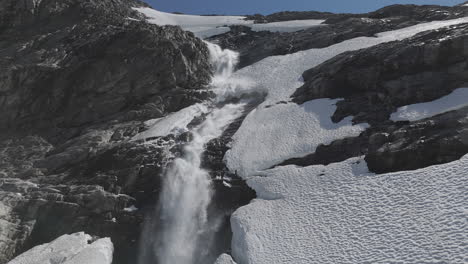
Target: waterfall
[{"x": 183, "y": 227}]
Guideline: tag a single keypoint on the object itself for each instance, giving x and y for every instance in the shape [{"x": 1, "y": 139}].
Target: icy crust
[
  {"x": 225, "y": 259},
  {"x": 285, "y": 131},
  {"x": 342, "y": 214},
  {"x": 279, "y": 77},
  {"x": 69, "y": 249},
  {"x": 457, "y": 99},
  {"x": 207, "y": 26}
]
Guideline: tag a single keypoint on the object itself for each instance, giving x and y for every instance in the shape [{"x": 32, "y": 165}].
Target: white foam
[
  {"x": 455, "y": 100},
  {"x": 183, "y": 224}
]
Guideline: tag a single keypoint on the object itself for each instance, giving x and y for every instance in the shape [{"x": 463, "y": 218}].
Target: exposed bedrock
[
  {"x": 254, "y": 46},
  {"x": 374, "y": 82},
  {"x": 404, "y": 12},
  {"x": 69, "y": 64},
  {"x": 392, "y": 147},
  {"x": 77, "y": 79},
  {"x": 377, "y": 80}
]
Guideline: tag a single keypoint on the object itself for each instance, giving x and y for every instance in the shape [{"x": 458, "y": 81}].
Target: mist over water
[{"x": 182, "y": 228}]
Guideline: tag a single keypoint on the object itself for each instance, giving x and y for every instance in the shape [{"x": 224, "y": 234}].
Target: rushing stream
[{"x": 185, "y": 232}]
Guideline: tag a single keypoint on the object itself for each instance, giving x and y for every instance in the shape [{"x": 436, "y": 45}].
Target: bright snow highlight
[
  {"x": 69, "y": 249},
  {"x": 456, "y": 100}
]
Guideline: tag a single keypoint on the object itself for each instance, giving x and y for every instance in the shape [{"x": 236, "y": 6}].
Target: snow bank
[
  {"x": 207, "y": 26},
  {"x": 174, "y": 123},
  {"x": 225, "y": 259},
  {"x": 342, "y": 214},
  {"x": 270, "y": 136},
  {"x": 275, "y": 132},
  {"x": 457, "y": 99},
  {"x": 69, "y": 249}
]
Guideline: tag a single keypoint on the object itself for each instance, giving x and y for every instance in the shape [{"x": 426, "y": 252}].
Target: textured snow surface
[
  {"x": 279, "y": 130},
  {"x": 207, "y": 26},
  {"x": 69, "y": 249},
  {"x": 225, "y": 259},
  {"x": 457, "y": 99},
  {"x": 338, "y": 213},
  {"x": 270, "y": 136},
  {"x": 342, "y": 214}
]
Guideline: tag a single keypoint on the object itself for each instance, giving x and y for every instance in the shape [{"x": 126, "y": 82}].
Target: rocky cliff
[{"x": 79, "y": 78}]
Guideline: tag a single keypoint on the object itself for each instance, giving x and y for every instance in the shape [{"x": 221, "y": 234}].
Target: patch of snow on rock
[
  {"x": 457, "y": 99},
  {"x": 279, "y": 77},
  {"x": 69, "y": 249},
  {"x": 341, "y": 213},
  {"x": 272, "y": 135},
  {"x": 173, "y": 123}
]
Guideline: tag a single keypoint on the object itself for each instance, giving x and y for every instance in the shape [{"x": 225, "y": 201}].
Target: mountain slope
[{"x": 319, "y": 138}]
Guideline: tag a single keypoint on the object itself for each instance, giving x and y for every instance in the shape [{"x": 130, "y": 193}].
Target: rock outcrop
[
  {"x": 254, "y": 46},
  {"x": 70, "y": 64},
  {"x": 77, "y": 80},
  {"x": 375, "y": 81}
]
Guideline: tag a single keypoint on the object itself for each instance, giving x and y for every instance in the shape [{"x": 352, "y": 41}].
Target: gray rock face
[
  {"x": 375, "y": 81},
  {"x": 78, "y": 77},
  {"x": 254, "y": 46},
  {"x": 68, "y": 64},
  {"x": 437, "y": 140},
  {"x": 76, "y": 80}
]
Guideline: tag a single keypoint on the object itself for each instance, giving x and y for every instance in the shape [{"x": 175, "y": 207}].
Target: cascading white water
[{"x": 187, "y": 192}]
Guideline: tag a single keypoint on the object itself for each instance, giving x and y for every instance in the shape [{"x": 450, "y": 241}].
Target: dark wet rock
[
  {"x": 437, "y": 140},
  {"x": 399, "y": 146},
  {"x": 378, "y": 80},
  {"x": 74, "y": 63},
  {"x": 77, "y": 78},
  {"x": 254, "y": 46},
  {"x": 375, "y": 81}
]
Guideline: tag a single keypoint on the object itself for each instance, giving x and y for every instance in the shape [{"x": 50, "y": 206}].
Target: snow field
[
  {"x": 285, "y": 126},
  {"x": 342, "y": 214},
  {"x": 338, "y": 213},
  {"x": 207, "y": 26}
]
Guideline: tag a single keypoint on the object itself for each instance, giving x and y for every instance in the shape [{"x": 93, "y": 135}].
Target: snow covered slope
[
  {"x": 278, "y": 130},
  {"x": 69, "y": 249},
  {"x": 342, "y": 214},
  {"x": 457, "y": 99},
  {"x": 338, "y": 213},
  {"x": 207, "y": 26}
]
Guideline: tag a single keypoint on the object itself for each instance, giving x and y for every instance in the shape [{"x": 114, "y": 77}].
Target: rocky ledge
[{"x": 374, "y": 82}]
